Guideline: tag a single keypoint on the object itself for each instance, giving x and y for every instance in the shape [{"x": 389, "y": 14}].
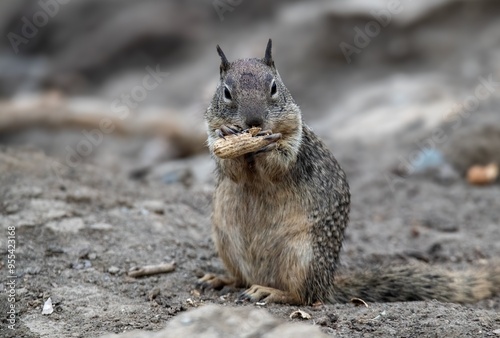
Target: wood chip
[
  {"x": 151, "y": 269},
  {"x": 300, "y": 314},
  {"x": 358, "y": 302}
]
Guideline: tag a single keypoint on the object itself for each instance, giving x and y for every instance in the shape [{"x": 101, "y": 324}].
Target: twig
[
  {"x": 53, "y": 111},
  {"x": 151, "y": 269}
]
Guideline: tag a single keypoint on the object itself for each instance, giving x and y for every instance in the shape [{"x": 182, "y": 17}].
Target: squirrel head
[{"x": 250, "y": 93}]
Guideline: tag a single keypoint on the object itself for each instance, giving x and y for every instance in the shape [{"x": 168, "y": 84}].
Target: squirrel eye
[
  {"x": 274, "y": 90},
  {"x": 227, "y": 94}
]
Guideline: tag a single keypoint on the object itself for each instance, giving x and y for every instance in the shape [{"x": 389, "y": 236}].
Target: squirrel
[{"x": 279, "y": 213}]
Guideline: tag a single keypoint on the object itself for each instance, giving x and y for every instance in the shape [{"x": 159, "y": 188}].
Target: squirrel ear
[
  {"x": 268, "y": 58},
  {"x": 224, "y": 65}
]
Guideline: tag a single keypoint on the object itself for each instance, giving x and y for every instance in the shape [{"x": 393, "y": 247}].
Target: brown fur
[
  {"x": 279, "y": 216},
  {"x": 238, "y": 235}
]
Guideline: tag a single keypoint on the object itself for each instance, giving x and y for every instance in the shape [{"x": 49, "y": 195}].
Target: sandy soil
[{"x": 78, "y": 231}]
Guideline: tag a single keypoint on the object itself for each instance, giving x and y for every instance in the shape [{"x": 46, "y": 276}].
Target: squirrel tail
[{"x": 418, "y": 282}]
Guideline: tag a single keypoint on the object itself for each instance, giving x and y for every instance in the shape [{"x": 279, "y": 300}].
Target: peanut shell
[{"x": 232, "y": 146}]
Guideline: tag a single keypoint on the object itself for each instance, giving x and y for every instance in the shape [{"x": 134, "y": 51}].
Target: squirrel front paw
[
  {"x": 226, "y": 130},
  {"x": 274, "y": 138}
]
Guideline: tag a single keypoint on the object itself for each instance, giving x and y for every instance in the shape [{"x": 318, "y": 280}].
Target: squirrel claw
[
  {"x": 211, "y": 281},
  {"x": 259, "y": 293},
  {"x": 269, "y": 147},
  {"x": 255, "y": 293},
  {"x": 227, "y": 130},
  {"x": 265, "y": 133},
  {"x": 220, "y": 134},
  {"x": 242, "y": 297},
  {"x": 273, "y": 137},
  {"x": 204, "y": 283},
  {"x": 202, "y": 286}
]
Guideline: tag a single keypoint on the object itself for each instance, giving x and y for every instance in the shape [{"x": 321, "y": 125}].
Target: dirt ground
[{"x": 78, "y": 231}]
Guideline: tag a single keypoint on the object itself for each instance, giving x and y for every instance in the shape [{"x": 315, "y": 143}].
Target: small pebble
[
  {"x": 69, "y": 225},
  {"x": 11, "y": 208},
  {"x": 155, "y": 206},
  {"x": 101, "y": 226},
  {"x": 113, "y": 270}
]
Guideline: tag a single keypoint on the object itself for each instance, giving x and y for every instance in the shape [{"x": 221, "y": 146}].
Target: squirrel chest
[{"x": 258, "y": 232}]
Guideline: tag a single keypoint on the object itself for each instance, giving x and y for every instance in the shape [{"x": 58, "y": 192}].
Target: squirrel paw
[
  {"x": 268, "y": 295},
  {"x": 265, "y": 149},
  {"x": 267, "y": 132},
  {"x": 270, "y": 147},
  {"x": 211, "y": 281},
  {"x": 226, "y": 130}
]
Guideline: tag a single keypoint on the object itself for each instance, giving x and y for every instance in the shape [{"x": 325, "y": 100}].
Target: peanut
[{"x": 232, "y": 146}]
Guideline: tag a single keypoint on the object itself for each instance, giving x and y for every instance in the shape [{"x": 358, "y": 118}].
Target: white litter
[{"x": 47, "y": 307}]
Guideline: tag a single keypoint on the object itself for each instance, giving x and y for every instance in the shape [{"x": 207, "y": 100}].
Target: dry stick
[
  {"x": 151, "y": 269},
  {"x": 53, "y": 112}
]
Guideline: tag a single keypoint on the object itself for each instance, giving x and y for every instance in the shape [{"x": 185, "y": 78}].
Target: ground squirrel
[{"x": 280, "y": 213}]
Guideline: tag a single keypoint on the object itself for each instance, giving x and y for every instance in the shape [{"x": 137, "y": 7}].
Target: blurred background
[{"x": 123, "y": 84}]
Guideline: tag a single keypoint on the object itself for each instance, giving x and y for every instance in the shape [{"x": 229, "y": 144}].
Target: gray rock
[
  {"x": 213, "y": 321},
  {"x": 101, "y": 226},
  {"x": 155, "y": 206},
  {"x": 113, "y": 270},
  {"x": 70, "y": 225}
]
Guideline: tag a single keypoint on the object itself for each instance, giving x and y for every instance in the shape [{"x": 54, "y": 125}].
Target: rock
[
  {"x": 101, "y": 226},
  {"x": 55, "y": 214},
  {"x": 328, "y": 320},
  {"x": 212, "y": 321},
  {"x": 474, "y": 145},
  {"x": 81, "y": 195},
  {"x": 155, "y": 206},
  {"x": 21, "y": 292},
  {"x": 72, "y": 225},
  {"x": 81, "y": 265},
  {"x": 198, "y": 169},
  {"x": 437, "y": 222},
  {"x": 11, "y": 208},
  {"x": 49, "y": 209},
  {"x": 113, "y": 270},
  {"x": 32, "y": 270},
  {"x": 446, "y": 174},
  {"x": 27, "y": 191},
  {"x": 182, "y": 175},
  {"x": 427, "y": 159}
]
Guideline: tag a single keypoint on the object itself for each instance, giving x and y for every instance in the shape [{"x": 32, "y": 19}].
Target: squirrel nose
[{"x": 254, "y": 121}]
